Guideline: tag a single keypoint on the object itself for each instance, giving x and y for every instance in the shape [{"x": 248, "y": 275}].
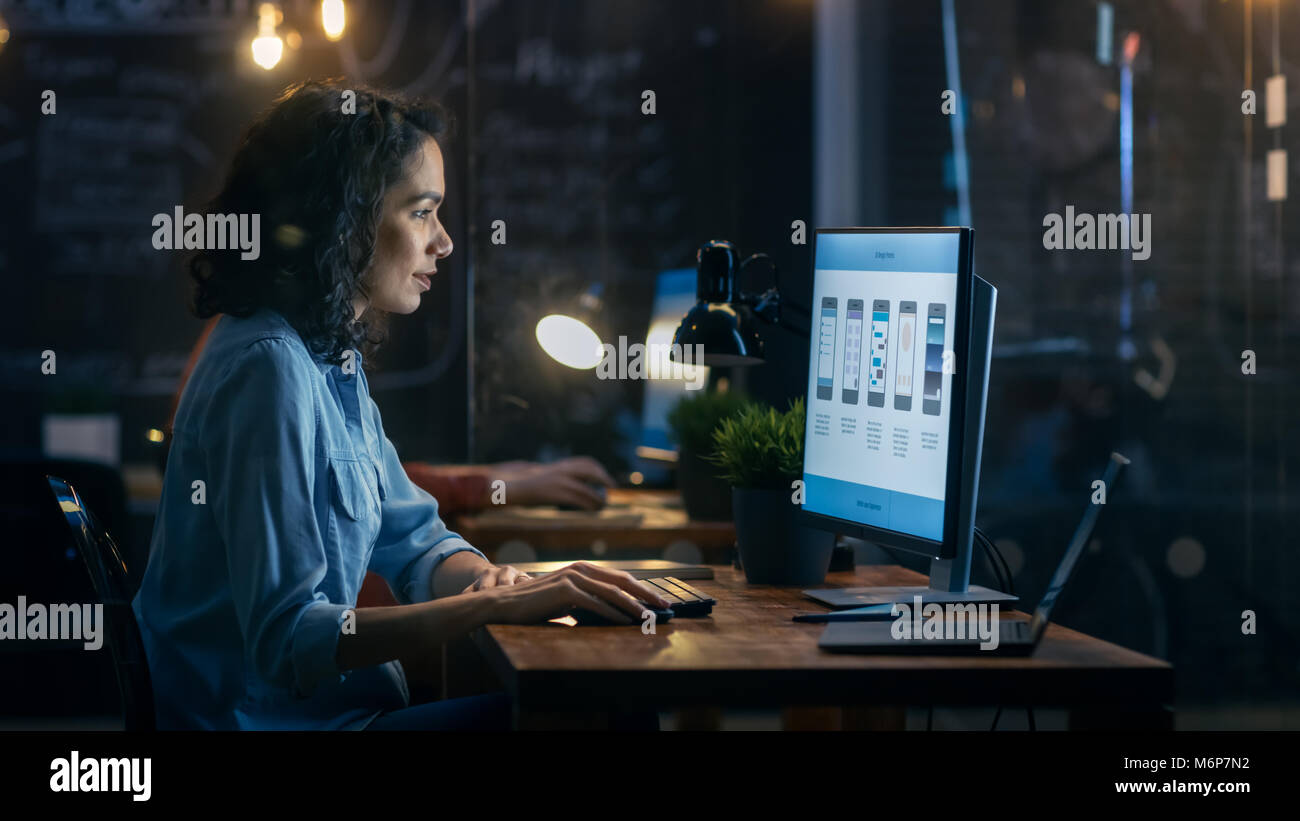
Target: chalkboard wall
[
  {"x": 595, "y": 191},
  {"x": 551, "y": 141}
]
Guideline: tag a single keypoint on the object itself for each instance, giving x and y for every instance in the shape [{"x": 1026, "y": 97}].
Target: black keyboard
[{"x": 686, "y": 600}]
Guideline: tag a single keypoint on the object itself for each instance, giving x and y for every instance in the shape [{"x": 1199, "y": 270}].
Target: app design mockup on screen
[
  {"x": 852, "y": 351},
  {"x": 826, "y": 350}
]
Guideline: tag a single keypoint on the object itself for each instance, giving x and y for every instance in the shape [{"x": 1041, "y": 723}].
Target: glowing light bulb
[
  {"x": 569, "y": 341},
  {"x": 267, "y": 51},
  {"x": 268, "y": 48},
  {"x": 333, "y": 18}
]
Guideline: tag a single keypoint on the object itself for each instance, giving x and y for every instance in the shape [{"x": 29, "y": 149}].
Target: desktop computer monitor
[
  {"x": 674, "y": 297},
  {"x": 897, "y": 378}
]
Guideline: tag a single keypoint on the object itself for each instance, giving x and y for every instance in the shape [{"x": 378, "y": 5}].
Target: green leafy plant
[
  {"x": 760, "y": 448},
  {"x": 692, "y": 421}
]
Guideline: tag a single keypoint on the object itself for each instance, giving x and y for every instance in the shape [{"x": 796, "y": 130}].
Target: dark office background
[{"x": 552, "y": 141}]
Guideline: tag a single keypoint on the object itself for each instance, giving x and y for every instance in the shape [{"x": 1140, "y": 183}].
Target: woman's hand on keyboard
[{"x": 611, "y": 593}]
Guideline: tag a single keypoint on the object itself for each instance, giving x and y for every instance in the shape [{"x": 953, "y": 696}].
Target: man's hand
[
  {"x": 495, "y": 576},
  {"x": 566, "y": 482}
]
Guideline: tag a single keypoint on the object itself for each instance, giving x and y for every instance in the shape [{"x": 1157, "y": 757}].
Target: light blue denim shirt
[{"x": 251, "y": 572}]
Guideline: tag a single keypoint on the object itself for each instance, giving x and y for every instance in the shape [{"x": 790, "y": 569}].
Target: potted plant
[
  {"x": 705, "y": 495},
  {"x": 760, "y": 452}
]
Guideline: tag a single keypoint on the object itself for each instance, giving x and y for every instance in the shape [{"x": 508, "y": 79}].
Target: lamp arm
[
  {"x": 768, "y": 306},
  {"x": 773, "y": 293}
]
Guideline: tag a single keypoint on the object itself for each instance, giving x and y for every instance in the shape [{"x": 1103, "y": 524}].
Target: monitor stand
[
  {"x": 937, "y": 591},
  {"x": 949, "y": 578}
]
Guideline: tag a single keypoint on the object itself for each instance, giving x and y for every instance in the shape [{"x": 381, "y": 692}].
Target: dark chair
[
  {"x": 30, "y": 524},
  {"x": 112, "y": 583}
]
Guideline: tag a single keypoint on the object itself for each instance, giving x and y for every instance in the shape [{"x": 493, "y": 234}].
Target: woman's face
[{"x": 410, "y": 239}]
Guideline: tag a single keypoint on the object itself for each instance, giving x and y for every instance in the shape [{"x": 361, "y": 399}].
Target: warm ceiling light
[
  {"x": 268, "y": 48},
  {"x": 332, "y": 18}
]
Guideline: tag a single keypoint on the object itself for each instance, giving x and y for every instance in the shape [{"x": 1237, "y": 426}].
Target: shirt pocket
[
  {"x": 350, "y": 491},
  {"x": 355, "y": 518}
]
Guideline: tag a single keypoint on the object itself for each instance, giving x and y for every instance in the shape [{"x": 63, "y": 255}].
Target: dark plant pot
[
  {"x": 705, "y": 496},
  {"x": 774, "y": 548}
]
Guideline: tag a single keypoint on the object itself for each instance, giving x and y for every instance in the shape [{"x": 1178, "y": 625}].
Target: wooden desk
[
  {"x": 663, "y": 522},
  {"x": 750, "y": 654}
]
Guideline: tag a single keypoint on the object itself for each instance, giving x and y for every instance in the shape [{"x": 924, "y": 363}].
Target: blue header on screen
[{"x": 930, "y": 253}]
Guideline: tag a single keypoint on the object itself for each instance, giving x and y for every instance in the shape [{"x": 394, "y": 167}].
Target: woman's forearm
[
  {"x": 456, "y": 572},
  {"x": 385, "y": 633}
]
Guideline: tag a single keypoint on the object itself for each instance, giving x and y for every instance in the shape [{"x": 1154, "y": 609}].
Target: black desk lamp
[{"x": 722, "y": 321}]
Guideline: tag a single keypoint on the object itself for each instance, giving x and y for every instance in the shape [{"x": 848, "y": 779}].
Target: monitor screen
[
  {"x": 670, "y": 382},
  {"x": 879, "y": 384}
]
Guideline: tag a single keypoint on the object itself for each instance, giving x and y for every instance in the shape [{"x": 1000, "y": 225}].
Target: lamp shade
[{"x": 726, "y": 332}]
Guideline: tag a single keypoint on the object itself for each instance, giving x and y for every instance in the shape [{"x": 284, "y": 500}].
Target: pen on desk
[
  {"x": 811, "y": 617},
  {"x": 872, "y": 612}
]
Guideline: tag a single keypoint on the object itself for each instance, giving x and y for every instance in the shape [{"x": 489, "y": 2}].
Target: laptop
[{"x": 968, "y": 629}]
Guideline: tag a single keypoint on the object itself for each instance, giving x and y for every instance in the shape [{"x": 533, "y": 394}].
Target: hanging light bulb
[
  {"x": 267, "y": 46},
  {"x": 332, "y": 18}
]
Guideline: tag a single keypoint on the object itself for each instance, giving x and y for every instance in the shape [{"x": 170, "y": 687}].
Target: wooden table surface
[{"x": 750, "y": 654}]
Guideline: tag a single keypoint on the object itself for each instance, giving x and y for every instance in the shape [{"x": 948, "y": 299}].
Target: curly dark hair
[{"x": 317, "y": 176}]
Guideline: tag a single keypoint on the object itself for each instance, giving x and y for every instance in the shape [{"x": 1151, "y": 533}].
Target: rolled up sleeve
[
  {"x": 413, "y": 540},
  {"x": 260, "y": 435}
]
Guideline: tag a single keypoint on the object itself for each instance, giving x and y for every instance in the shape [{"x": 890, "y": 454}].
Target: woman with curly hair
[{"x": 281, "y": 489}]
